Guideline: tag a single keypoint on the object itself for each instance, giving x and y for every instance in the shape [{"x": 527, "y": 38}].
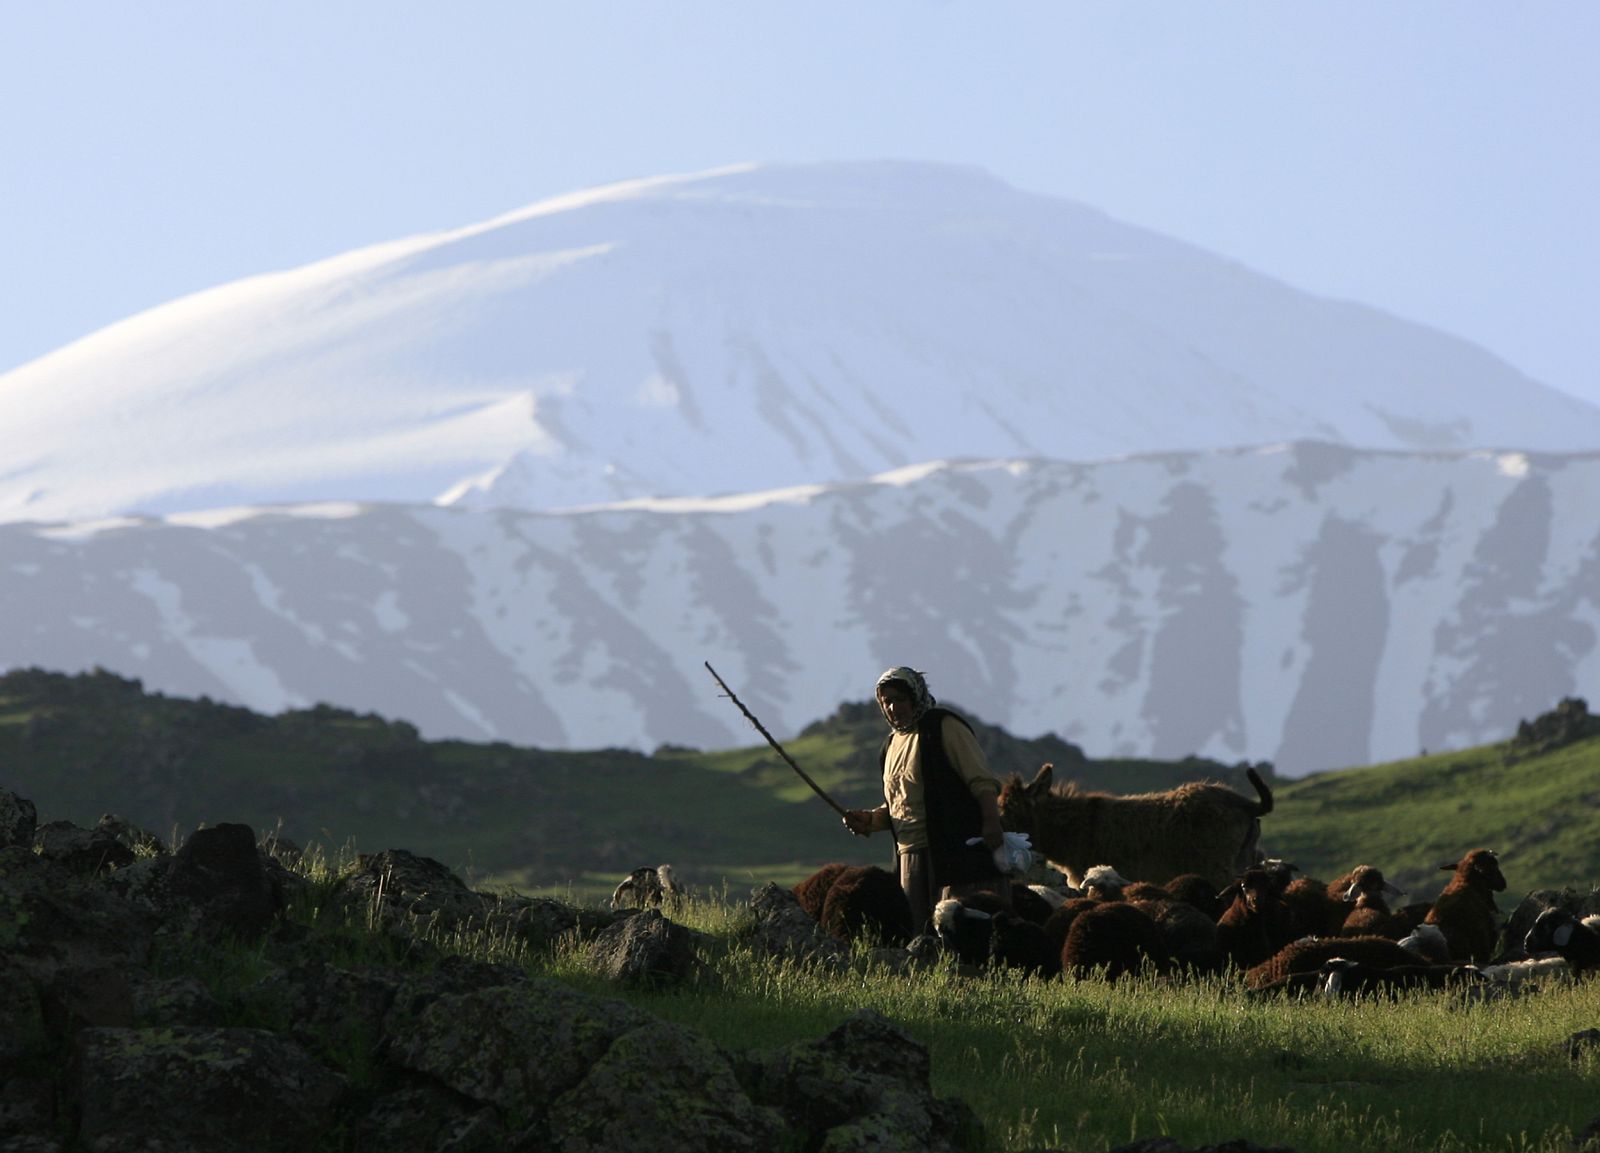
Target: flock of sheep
[{"x": 1174, "y": 881}]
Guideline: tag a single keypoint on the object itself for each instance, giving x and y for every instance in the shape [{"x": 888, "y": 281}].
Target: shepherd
[{"x": 940, "y": 799}]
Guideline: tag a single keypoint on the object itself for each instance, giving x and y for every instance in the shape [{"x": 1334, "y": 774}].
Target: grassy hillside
[
  {"x": 573, "y": 823},
  {"x": 1534, "y": 805}
]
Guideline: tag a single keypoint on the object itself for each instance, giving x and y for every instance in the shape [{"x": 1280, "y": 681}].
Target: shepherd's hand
[{"x": 859, "y": 821}]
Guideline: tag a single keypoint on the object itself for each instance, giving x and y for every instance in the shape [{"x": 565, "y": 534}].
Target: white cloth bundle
[{"x": 1014, "y": 857}]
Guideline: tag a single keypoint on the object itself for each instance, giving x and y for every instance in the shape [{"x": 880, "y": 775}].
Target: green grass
[
  {"x": 1089, "y": 1065},
  {"x": 1086, "y": 1065}
]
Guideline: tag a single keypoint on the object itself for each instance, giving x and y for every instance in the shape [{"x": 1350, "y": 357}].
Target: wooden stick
[{"x": 815, "y": 788}]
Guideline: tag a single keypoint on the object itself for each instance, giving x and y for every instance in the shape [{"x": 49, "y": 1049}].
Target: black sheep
[
  {"x": 1342, "y": 977},
  {"x": 1558, "y": 931},
  {"x": 1018, "y": 943}
]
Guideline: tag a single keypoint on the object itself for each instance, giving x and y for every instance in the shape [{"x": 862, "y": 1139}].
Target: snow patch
[{"x": 232, "y": 661}]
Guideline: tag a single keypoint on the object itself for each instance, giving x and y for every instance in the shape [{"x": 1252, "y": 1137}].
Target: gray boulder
[
  {"x": 865, "y": 1086},
  {"x": 782, "y": 929},
  {"x": 645, "y": 949},
  {"x": 1168, "y": 1145},
  {"x": 79, "y": 849},
  {"x": 182, "y": 1088},
  {"x": 18, "y": 820},
  {"x": 399, "y": 886},
  {"x": 21, "y": 1017},
  {"x": 222, "y": 877},
  {"x": 517, "y": 1048},
  {"x": 662, "y": 1088},
  {"x": 140, "y": 840},
  {"x": 160, "y": 1002},
  {"x": 27, "y": 1115},
  {"x": 428, "y": 1118},
  {"x": 67, "y": 932},
  {"x": 325, "y": 1008}
]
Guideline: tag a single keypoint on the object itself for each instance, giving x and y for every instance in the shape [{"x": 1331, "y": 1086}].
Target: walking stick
[{"x": 815, "y": 788}]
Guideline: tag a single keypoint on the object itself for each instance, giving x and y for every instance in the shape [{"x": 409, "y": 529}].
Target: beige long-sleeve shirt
[{"x": 902, "y": 779}]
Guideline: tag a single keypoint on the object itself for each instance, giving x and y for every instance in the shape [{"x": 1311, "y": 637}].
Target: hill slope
[
  {"x": 736, "y": 330},
  {"x": 1532, "y": 800},
  {"x": 558, "y": 820},
  {"x": 75, "y": 745}
]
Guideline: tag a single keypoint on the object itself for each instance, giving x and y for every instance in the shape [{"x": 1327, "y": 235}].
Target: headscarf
[{"x": 921, "y": 699}]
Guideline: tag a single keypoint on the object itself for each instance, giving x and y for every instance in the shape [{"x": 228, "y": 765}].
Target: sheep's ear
[{"x": 1041, "y": 779}]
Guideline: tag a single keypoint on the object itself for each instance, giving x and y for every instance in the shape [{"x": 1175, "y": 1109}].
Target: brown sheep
[
  {"x": 1029, "y": 905},
  {"x": 1193, "y": 889},
  {"x": 1465, "y": 911},
  {"x": 1312, "y": 912},
  {"x": 813, "y": 891},
  {"x": 1203, "y": 828},
  {"x": 1255, "y": 925},
  {"x": 1060, "y": 921},
  {"x": 1369, "y": 914},
  {"x": 1191, "y": 936},
  {"x": 1112, "y": 939},
  {"x": 1309, "y": 954}
]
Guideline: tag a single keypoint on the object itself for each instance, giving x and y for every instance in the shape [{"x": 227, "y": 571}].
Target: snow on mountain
[
  {"x": 1312, "y": 604},
  {"x": 731, "y": 331}
]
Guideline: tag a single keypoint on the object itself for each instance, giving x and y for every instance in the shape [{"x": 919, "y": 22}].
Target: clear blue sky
[{"x": 1439, "y": 159}]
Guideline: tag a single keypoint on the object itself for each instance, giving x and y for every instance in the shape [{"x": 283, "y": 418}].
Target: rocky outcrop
[
  {"x": 866, "y": 1085},
  {"x": 782, "y": 929},
  {"x": 1570, "y": 721},
  {"x": 18, "y": 820},
  {"x": 645, "y": 949},
  {"x": 182, "y": 1006},
  {"x": 191, "y": 1087}
]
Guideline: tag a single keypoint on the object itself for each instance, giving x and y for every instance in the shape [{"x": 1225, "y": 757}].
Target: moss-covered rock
[{"x": 246, "y": 1090}]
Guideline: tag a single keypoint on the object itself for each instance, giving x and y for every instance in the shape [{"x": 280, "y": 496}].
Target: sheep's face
[
  {"x": 1258, "y": 890},
  {"x": 1369, "y": 890},
  {"x": 1553, "y": 930},
  {"x": 1483, "y": 867}
]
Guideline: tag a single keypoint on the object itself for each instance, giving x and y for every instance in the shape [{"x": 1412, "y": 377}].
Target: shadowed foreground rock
[
  {"x": 115, "y": 1034},
  {"x": 1168, "y": 1145},
  {"x": 246, "y": 1090}
]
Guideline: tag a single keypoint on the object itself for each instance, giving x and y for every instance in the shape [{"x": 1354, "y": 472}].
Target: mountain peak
[{"x": 745, "y": 328}]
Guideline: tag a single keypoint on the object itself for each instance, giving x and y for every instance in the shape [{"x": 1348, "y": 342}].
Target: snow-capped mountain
[
  {"x": 728, "y": 332},
  {"x": 1312, "y": 604}
]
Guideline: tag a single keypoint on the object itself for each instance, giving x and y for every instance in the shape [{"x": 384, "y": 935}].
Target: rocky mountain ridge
[{"x": 1310, "y": 605}]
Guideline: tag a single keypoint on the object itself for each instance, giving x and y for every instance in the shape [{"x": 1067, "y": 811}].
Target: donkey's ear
[{"x": 1041, "y": 779}]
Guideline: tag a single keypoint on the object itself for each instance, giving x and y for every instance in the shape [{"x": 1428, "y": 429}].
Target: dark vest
[{"x": 953, "y": 813}]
